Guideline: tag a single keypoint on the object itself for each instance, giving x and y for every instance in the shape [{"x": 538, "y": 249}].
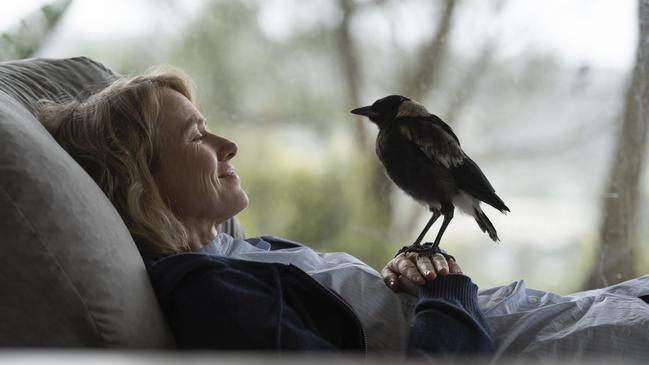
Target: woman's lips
[{"x": 229, "y": 174}]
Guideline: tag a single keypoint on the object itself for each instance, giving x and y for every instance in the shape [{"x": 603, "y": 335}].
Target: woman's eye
[{"x": 198, "y": 137}]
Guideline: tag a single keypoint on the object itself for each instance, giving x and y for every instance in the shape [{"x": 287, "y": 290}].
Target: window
[{"x": 537, "y": 92}]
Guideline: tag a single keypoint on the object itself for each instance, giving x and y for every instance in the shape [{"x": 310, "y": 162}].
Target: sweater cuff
[{"x": 453, "y": 288}]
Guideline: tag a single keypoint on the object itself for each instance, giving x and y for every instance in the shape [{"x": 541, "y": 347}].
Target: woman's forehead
[{"x": 177, "y": 111}]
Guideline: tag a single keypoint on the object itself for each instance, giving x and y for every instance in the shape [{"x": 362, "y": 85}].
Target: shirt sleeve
[{"x": 448, "y": 320}]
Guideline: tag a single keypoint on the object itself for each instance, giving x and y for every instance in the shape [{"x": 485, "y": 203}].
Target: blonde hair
[{"x": 112, "y": 135}]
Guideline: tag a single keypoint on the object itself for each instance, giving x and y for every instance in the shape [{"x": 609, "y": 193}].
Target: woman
[{"x": 172, "y": 181}]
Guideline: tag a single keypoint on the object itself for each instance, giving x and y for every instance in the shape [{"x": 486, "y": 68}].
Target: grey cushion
[
  {"x": 30, "y": 80},
  {"x": 70, "y": 274}
]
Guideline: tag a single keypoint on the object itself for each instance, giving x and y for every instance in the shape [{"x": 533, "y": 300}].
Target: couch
[{"x": 70, "y": 274}]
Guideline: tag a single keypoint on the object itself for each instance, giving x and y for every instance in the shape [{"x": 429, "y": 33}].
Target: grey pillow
[
  {"x": 70, "y": 274},
  {"x": 27, "y": 81}
]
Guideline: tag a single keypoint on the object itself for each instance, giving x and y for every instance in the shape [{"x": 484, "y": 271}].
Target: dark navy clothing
[
  {"x": 221, "y": 303},
  {"x": 214, "y": 302}
]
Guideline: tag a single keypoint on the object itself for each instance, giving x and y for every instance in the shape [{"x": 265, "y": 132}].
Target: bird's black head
[{"x": 386, "y": 109}]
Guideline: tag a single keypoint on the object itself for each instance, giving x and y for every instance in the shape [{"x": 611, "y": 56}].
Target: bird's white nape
[{"x": 411, "y": 108}]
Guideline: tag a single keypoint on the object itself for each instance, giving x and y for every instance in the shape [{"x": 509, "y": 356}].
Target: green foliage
[
  {"x": 259, "y": 91},
  {"x": 25, "y": 39},
  {"x": 244, "y": 77},
  {"x": 324, "y": 204}
]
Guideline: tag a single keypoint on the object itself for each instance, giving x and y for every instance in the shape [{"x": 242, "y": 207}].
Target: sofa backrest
[{"x": 70, "y": 274}]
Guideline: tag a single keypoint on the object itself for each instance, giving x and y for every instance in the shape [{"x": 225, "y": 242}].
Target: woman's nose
[{"x": 225, "y": 149}]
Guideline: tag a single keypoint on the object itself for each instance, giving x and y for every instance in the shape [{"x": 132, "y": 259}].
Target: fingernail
[{"x": 427, "y": 273}]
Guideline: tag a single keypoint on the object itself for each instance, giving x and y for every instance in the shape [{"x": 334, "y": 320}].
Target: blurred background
[{"x": 546, "y": 95}]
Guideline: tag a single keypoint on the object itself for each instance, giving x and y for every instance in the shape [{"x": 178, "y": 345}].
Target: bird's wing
[
  {"x": 438, "y": 143},
  {"x": 434, "y": 119},
  {"x": 471, "y": 179}
]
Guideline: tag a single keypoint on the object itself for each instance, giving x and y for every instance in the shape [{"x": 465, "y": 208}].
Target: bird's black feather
[
  {"x": 485, "y": 224},
  {"x": 439, "y": 122},
  {"x": 437, "y": 141},
  {"x": 471, "y": 179}
]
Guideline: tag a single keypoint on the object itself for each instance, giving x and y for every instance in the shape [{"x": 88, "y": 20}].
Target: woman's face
[{"x": 194, "y": 174}]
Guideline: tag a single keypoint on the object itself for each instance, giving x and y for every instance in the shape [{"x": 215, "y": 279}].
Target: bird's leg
[
  {"x": 416, "y": 247},
  {"x": 432, "y": 220},
  {"x": 448, "y": 215}
]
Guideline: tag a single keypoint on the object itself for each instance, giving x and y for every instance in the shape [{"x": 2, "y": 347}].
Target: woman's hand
[{"x": 408, "y": 271}]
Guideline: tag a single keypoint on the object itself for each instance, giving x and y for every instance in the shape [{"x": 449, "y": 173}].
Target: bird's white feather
[
  {"x": 466, "y": 203},
  {"x": 411, "y": 108}
]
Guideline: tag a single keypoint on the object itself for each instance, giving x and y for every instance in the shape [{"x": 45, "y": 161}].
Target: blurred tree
[
  {"x": 217, "y": 50},
  {"x": 469, "y": 83},
  {"x": 379, "y": 187},
  {"x": 270, "y": 94},
  {"x": 420, "y": 78},
  {"x": 350, "y": 67},
  {"x": 617, "y": 246},
  {"x": 25, "y": 39},
  {"x": 256, "y": 80}
]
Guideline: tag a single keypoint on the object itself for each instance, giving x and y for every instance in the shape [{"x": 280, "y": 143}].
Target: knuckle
[
  {"x": 390, "y": 266},
  {"x": 427, "y": 265},
  {"x": 403, "y": 266}
]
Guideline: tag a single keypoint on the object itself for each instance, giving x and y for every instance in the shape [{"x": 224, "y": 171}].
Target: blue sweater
[{"x": 221, "y": 303}]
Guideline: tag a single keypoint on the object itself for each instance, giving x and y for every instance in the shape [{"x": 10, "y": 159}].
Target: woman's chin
[
  {"x": 244, "y": 201},
  {"x": 239, "y": 203},
  {"x": 227, "y": 203}
]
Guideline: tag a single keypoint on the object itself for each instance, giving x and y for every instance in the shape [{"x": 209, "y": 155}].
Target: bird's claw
[{"x": 427, "y": 249}]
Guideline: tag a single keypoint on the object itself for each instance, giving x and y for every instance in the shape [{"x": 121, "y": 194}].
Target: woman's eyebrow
[{"x": 195, "y": 119}]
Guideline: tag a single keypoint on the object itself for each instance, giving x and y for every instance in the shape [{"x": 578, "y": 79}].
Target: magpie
[{"x": 422, "y": 155}]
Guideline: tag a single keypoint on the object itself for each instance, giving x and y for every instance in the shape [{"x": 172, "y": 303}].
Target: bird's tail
[
  {"x": 495, "y": 201},
  {"x": 484, "y": 223}
]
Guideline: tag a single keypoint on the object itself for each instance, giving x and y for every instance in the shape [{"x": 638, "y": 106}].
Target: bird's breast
[{"x": 412, "y": 171}]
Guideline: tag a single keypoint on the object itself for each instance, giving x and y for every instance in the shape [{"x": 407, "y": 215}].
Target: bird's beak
[{"x": 365, "y": 111}]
